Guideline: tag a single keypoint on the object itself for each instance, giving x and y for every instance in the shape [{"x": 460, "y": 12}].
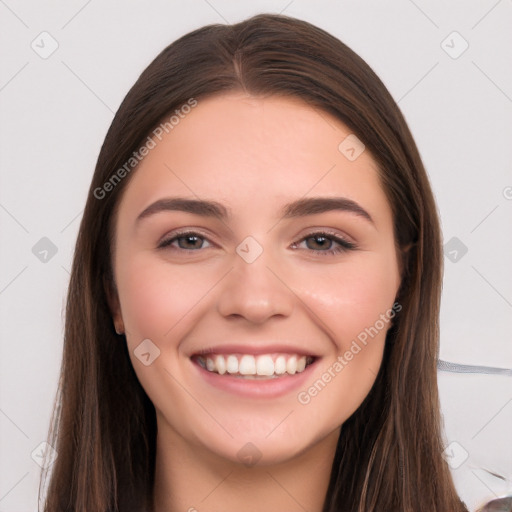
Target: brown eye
[
  {"x": 323, "y": 243},
  {"x": 187, "y": 241}
]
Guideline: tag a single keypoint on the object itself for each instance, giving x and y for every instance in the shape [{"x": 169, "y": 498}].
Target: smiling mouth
[{"x": 248, "y": 366}]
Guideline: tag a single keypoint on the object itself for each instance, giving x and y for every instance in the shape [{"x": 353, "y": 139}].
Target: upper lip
[{"x": 253, "y": 349}]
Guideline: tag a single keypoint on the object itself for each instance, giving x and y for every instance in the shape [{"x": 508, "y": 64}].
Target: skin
[{"x": 253, "y": 155}]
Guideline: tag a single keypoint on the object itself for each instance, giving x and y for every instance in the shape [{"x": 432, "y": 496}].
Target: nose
[{"x": 255, "y": 291}]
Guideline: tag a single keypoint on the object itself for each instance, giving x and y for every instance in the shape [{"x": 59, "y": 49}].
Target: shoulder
[{"x": 499, "y": 505}]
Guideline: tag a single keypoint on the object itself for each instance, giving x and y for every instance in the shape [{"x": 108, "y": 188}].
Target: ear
[
  {"x": 113, "y": 303},
  {"x": 404, "y": 255}
]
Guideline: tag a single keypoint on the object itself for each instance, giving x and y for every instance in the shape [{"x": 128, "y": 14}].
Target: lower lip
[{"x": 257, "y": 388}]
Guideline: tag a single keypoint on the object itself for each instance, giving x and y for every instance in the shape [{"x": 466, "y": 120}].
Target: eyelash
[{"x": 344, "y": 245}]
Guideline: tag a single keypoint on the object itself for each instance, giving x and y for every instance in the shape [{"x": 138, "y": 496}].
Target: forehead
[{"x": 252, "y": 153}]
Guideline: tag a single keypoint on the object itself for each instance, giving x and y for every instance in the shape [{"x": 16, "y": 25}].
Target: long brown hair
[{"x": 389, "y": 454}]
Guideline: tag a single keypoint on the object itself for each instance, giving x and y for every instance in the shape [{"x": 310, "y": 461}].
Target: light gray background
[{"x": 55, "y": 113}]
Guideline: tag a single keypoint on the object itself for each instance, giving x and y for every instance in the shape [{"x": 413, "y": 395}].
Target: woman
[{"x": 252, "y": 318}]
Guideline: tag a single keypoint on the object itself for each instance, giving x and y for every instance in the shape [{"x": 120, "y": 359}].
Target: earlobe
[{"x": 113, "y": 303}]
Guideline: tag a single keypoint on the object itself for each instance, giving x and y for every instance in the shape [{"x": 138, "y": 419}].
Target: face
[{"x": 256, "y": 306}]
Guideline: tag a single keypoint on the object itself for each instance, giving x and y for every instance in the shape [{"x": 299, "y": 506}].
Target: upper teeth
[{"x": 246, "y": 364}]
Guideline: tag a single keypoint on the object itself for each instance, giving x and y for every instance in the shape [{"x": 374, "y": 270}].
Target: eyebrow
[{"x": 300, "y": 208}]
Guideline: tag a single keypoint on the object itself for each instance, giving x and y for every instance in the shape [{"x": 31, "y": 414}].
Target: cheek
[
  {"x": 355, "y": 306},
  {"x": 155, "y": 296},
  {"x": 351, "y": 296}
]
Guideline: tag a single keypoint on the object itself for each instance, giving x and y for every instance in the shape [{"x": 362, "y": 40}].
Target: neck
[{"x": 191, "y": 478}]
